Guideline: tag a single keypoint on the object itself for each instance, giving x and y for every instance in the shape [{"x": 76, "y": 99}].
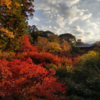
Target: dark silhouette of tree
[{"x": 69, "y": 37}]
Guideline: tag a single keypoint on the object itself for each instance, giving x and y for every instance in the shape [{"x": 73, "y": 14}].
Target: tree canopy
[
  {"x": 69, "y": 37},
  {"x": 13, "y": 16}
]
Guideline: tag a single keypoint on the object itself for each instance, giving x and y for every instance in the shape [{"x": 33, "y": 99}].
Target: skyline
[{"x": 81, "y": 18}]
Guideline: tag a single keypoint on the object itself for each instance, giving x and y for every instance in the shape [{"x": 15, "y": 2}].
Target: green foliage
[
  {"x": 97, "y": 49},
  {"x": 14, "y": 20},
  {"x": 30, "y": 38},
  {"x": 69, "y": 37},
  {"x": 34, "y": 32},
  {"x": 46, "y": 33},
  {"x": 61, "y": 71},
  {"x": 91, "y": 59},
  {"x": 75, "y": 49},
  {"x": 83, "y": 83}
]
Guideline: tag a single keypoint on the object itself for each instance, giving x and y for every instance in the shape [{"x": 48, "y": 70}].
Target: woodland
[{"x": 40, "y": 65}]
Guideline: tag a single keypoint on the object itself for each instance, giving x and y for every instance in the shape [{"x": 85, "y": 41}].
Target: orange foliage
[
  {"x": 41, "y": 43},
  {"x": 43, "y": 57},
  {"x": 5, "y": 2},
  {"x": 65, "y": 46},
  {"x": 7, "y": 33}
]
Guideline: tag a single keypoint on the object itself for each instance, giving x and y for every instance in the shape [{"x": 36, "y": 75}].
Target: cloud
[
  {"x": 87, "y": 16},
  {"x": 60, "y": 20},
  {"x": 92, "y": 24},
  {"x": 54, "y": 29},
  {"x": 67, "y": 2},
  {"x": 52, "y": 8},
  {"x": 59, "y": 16},
  {"x": 48, "y": 14},
  {"x": 79, "y": 33},
  {"x": 36, "y": 19},
  {"x": 88, "y": 34},
  {"x": 71, "y": 2}
]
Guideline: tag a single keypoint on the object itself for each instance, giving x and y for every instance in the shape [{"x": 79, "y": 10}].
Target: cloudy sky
[{"x": 78, "y": 17}]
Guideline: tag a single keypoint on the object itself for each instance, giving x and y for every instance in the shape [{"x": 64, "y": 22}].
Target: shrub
[
  {"x": 91, "y": 59},
  {"x": 84, "y": 82},
  {"x": 53, "y": 47},
  {"x": 21, "y": 79},
  {"x": 61, "y": 71},
  {"x": 9, "y": 55},
  {"x": 26, "y": 46}
]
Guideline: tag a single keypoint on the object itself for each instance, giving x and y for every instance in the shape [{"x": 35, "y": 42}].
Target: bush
[
  {"x": 9, "y": 55},
  {"x": 61, "y": 71},
  {"x": 84, "y": 82},
  {"x": 91, "y": 59},
  {"x": 21, "y": 79}
]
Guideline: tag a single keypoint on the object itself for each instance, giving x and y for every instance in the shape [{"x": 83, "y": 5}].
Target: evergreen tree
[{"x": 14, "y": 19}]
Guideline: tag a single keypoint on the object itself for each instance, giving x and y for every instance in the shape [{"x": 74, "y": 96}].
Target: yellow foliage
[
  {"x": 65, "y": 46},
  {"x": 5, "y": 2},
  {"x": 7, "y": 33},
  {"x": 53, "y": 47},
  {"x": 69, "y": 68},
  {"x": 9, "y": 55},
  {"x": 90, "y": 55},
  {"x": 8, "y": 3},
  {"x": 16, "y": 4}
]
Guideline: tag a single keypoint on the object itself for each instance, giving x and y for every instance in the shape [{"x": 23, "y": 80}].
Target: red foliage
[
  {"x": 44, "y": 57},
  {"x": 23, "y": 79},
  {"x": 26, "y": 46},
  {"x": 68, "y": 58}
]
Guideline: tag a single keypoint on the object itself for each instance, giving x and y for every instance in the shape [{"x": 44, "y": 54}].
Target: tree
[
  {"x": 5, "y": 3},
  {"x": 34, "y": 32},
  {"x": 53, "y": 47},
  {"x": 68, "y": 37},
  {"x": 46, "y": 33},
  {"x": 26, "y": 46},
  {"x": 65, "y": 46},
  {"x": 14, "y": 20},
  {"x": 41, "y": 43},
  {"x": 54, "y": 38},
  {"x": 4, "y": 31}
]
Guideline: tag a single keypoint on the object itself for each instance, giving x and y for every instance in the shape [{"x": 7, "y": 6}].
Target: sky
[{"x": 81, "y": 18}]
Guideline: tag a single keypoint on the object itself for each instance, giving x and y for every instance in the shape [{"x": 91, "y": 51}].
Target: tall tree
[
  {"x": 41, "y": 43},
  {"x": 34, "y": 32},
  {"x": 68, "y": 37},
  {"x": 14, "y": 20},
  {"x": 54, "y": 38}
]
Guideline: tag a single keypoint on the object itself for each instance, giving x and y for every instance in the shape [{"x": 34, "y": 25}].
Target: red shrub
[
  {"x": 26, "y": 46},
  {"x": 43, "y": 57},
  {"x": 22, "y": 79}
]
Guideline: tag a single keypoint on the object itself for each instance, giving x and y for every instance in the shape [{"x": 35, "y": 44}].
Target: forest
[{"x": 40, "y": 65}]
